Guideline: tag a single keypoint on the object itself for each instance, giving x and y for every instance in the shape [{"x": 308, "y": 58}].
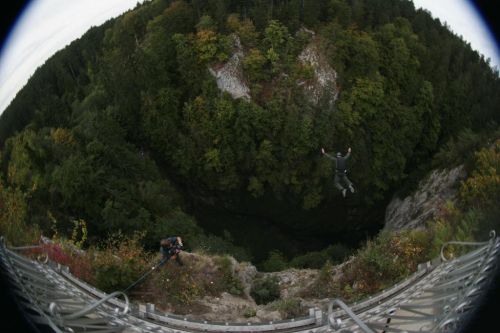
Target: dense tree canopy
[{"x": 126, "y": 128}]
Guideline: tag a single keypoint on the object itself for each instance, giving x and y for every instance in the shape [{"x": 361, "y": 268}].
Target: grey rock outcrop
[
  {"x": 229, "y": 76},
  {"x": 292, "y": 281},
  {"x": 415, "y": 210},
  {"x": 227, "y": 307},
  {"x": 324, "y": 83},
  {"x": 246, "y": 273},
  {"x": 264, "y": 315}
]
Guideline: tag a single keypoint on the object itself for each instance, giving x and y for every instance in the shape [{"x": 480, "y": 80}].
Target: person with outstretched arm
[
  {"x": 170, "y": 248},
  {"x": 340, "y": 171}
]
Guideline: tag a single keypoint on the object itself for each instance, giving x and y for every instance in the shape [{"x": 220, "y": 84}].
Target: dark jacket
[
  {"x": 170, "y": 246},
  {"x": 340, "y": 162}
]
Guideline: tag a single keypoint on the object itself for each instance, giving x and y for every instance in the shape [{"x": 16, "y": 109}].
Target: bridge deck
[{"x": 436, "y": 298}]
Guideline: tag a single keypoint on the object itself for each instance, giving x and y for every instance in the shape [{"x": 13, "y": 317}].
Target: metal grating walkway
[{"x": 439, "y": 297}]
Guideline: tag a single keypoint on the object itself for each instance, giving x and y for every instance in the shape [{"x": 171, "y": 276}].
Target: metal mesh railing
[{"x": 436, "y": 298}]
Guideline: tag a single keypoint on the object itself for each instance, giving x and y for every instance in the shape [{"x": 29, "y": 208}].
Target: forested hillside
[{"x": 126, "y": 128}]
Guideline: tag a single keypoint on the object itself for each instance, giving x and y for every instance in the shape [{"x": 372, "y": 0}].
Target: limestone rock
[
  {"x": 264, "y": 315},
  {"x": 229, "y": 76},
  {"x": 246, "y": 272},
  {"x": 324, "y": 84},
  {"x": 292, "y": 281},
  {"x": 413, "y": 211}
]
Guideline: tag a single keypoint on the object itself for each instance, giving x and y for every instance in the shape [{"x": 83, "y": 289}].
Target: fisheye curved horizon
[
  {"x": 34, "y": 30},
  {"x": 39, "y": 29},
  {"x": 250, "y": 162}
]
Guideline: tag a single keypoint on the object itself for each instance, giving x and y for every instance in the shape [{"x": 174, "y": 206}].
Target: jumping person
[
  {"x": 170, "y": 248},
  {"x": 340, "y": 171}
]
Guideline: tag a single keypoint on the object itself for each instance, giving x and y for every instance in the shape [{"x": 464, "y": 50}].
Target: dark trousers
[{"x": 341, "y": 178}]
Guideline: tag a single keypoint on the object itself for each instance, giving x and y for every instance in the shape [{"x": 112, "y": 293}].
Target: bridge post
[
  {"x": 312, "y": 312},
  {"x": 319, "y": 316},
  {"x": 143, "y": 311}
]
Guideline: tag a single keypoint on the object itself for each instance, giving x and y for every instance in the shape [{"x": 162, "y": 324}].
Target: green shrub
[
  {"x": 335, "y": 253},
  {"x": 176, "y": 223},
  {"x": 230, "y": 282},
  {"x": 180, "y": 286},
  {"x": 220, "y": 246},
  {"x": 310, "y": 260},
  {"x": 323, "y": 285},
  {"x": 206, "y": 23},
  {"x": 455, "y": 225},
  {"x": 13, "y": 217},
  {"x": 489, "y": 221},
  {"x": 378, "y": 261},
  {"x": 120, "y": 262},
  {"x": 249, "y": 313},
  {"x": 116, "y": 274},
  {"x": 459, "y": 149},
  {"x": 274, "y": 263},
  {"x": 482, "y": 187},
  {"x": 176, "y": 285},
  {"x": 253, "y": 65},
  {"x": 383, "y": 261},
  {"x": 265, "y": 290},
  {"x": 289, "y": 308}
]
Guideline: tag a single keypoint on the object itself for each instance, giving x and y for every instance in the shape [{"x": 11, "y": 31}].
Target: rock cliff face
[
  {"x": 229, "y": 76},
  {"x": 413, "y": 211},
  {"x": 324, "y": 83}
]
